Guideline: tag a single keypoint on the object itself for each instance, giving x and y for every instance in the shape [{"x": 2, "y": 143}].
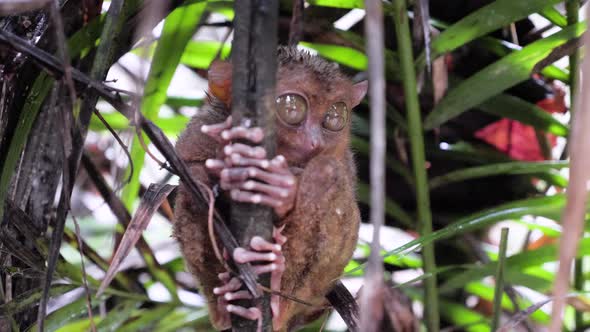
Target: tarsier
[{"x": 310, "y": 184}]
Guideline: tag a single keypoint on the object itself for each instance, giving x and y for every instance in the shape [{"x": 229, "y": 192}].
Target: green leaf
[
  {"x": 179, "y": 27},
  {"x": 117, "y": 316},
  {"x": 171, "y": 126},
  {"x": 516, "y": 265},
  {"x": 200, "y": 54},
  {"x": 492, "y": 17},
  {"x": 65, "y": 315},
  {"x": 546, "y": 206},
  {"x": 512, "y": 168},
  {"x": 514, "y": 108},
  {"x": 554, "y": 16},
  {"x": 463, "y": 317},
  {"x": 184, "y": 317},
  {"x": 338, "y": 3},
  {"x": 486, "y": 292},
  {"x": 499, "y": 76},
  {"x": 146, "y": 318},
  {"x": 344, "y": 55},
  {"x": 32, "y": 297}
]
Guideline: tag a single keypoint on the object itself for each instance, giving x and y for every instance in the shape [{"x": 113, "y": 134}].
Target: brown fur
[{"x": 322, "y": 228}]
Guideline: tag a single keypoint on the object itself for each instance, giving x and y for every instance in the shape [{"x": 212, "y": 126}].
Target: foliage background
[{"x": 493, "y": 73}]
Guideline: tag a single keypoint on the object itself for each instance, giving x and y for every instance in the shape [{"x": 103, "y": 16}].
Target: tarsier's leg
[{"x": 261, "y": 251}]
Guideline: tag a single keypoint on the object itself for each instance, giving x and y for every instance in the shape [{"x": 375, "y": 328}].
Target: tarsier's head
[{"x": 314, "y": 104}]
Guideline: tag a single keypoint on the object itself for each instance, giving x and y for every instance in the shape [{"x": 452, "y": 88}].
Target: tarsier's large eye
[
  {"x": 291, "y": 108},
  {"x": 336, "y": 117}
]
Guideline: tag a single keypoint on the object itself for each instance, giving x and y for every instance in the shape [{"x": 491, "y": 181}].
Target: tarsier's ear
[
  {"x": 359, "y": 90},
  {"x": 220, "y": 80}
]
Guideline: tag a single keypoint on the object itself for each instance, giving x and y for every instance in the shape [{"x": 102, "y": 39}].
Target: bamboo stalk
[{"x": 415, "y": 132}]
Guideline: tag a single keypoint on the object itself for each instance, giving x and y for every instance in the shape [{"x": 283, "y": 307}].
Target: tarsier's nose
[{"x": 316, "y": 141}]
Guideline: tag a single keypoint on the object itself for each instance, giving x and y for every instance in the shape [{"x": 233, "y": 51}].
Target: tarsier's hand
[{"x": 245, "y": 171}]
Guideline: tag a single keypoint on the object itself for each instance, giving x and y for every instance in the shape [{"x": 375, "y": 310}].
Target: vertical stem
[
  {"x": 575, "y": 209},
  {"x": 415, "y": 132},
  {"x": 573, "y": 10},
  {"x": 371, "y": 302},
  {"x": 253, "y": 101},
  {"x": 499, "y": 290}
]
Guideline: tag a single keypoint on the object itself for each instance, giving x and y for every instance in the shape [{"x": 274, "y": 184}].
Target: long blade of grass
[
  {"x": 415, "y": 131},
  {"x": 512, "y": 168},
  {"x": 497, "y": 77},
  {"x": 499, "y": 290},
  {"x": 491, "y": 17},
  {"x": 528, "y": 113}
]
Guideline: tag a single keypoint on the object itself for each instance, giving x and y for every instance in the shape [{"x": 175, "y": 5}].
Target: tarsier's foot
[{"x": 273, "y": 261}]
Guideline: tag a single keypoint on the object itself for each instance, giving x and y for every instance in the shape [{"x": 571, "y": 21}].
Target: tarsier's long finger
[
  {"x": 224, "y": 277},
  {"x": 279, "y": 165},
  {"x": 278, "y": 265},
  {"x": 214, "y": 166},
  {"x": 255, "y": 135},
  {"x": 257, "y": 187},
  {"x": 233, "y": 285},
  {"x": 242, "y": 255},
  {"x": 278, "y": 235},
  {"x": 214, "y": 130},
  {"x": 259, "y": 244},
  {"x": 239, "y": 295},
  {"x": 235, "y": 159},
  {"x": 240, "y": 174},
  {"x": 255, "y": 198},
  {"x": 250, "y": 313},
  {"x": 256, "y": 152}
]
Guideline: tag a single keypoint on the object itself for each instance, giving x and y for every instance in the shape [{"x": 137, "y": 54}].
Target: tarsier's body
[{"x": 311, "y": 188}]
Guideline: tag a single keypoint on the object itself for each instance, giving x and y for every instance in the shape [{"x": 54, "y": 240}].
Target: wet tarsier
[{"x": 310, "y": 184}]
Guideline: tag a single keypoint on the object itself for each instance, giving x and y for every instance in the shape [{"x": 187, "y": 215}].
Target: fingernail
[
  {"x": 229, "y": 308},
  {"x": 227, "y": 149},
  {"x": 227, "y": 296},
  {"x": 290, "y": 182},
  {"x": 249, "y": 185},
  {"x": 225, "y": 134},
  {"x": 273, "y": 267},
  {"x": 264, "y": 164},
  {"x": 252, "y": 172},
  {"x": 284, "y": 194},
  {"x": 204, "y": 128},
  {"x": 256, "y": 199},
  {"x": 278, "y": 247},
  {"x": 272, "y": 257}
]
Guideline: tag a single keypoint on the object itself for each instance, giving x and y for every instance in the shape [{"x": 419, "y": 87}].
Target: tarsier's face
[{"x": 313, "y": 115}]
